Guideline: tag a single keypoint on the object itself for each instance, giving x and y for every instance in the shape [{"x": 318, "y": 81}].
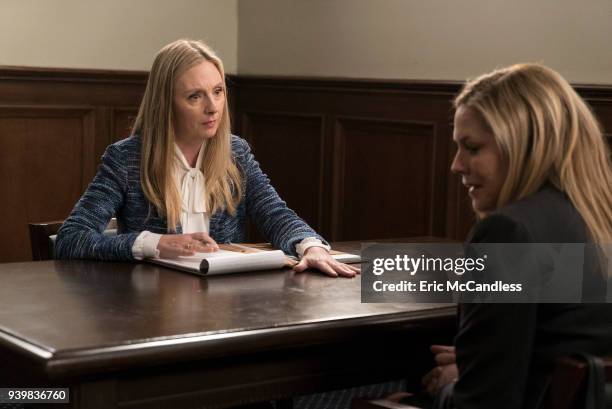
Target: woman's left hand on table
[{"x": 320, "y": 259}]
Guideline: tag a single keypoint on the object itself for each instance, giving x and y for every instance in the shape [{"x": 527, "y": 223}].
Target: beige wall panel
[
  {"x": 111, "y": 34},
  {"x": 427, "y": 39}
]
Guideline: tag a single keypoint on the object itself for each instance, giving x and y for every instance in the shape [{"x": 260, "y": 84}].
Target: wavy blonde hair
[
  {"x": 546, "y": 133},
  {"x": 155, "y": 125}
]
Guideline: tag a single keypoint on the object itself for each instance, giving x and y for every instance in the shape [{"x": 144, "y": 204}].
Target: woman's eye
[
  {"x": 218, "y": 91},
  {"x": 472, "y": 149},
  {"x": 194, "y": 97}
]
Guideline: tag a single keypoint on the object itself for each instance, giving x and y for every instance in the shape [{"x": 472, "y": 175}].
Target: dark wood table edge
[{"x": 71, "y": 363}]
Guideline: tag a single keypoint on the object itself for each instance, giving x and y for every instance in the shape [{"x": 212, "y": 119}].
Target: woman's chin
[
  {"x": 209, "y": 135},
  {"x": 481, "y": 212}
]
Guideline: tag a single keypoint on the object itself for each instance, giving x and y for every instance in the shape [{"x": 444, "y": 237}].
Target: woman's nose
[
  {"x": 210, "y": 106},
  {"x": 458, "y": 166}
]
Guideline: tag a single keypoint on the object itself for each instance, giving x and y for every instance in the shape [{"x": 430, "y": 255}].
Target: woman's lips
[
  {"x": 472, "y": 188},
  {"x": 209, "y": 124}
]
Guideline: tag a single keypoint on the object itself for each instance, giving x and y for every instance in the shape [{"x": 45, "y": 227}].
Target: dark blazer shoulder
[
  {"x": 547, "y": 216},
  {"x": 128, "y": 145}
]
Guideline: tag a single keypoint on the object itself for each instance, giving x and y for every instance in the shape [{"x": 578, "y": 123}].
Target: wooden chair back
[
  {"x": 569, "y": 382},
  {"x": 42, "y": 246}
]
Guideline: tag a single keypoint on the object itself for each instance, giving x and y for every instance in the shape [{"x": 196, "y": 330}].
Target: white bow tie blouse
[{"x": 194, "y": 217}]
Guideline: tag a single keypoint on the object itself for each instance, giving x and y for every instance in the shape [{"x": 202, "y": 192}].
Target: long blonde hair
[
  {"x": 546, "y": 133},
  {"x": 155, "y": 125}
]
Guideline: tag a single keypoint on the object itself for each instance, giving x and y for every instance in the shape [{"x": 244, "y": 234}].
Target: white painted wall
[
  {"x": 397, "y": 39},
  {"x": 111, "y": 34},
  {"x": 424, "y": 39}
]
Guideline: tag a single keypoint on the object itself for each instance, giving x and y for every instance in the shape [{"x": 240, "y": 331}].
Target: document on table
[{"x": 237, "y": 258}]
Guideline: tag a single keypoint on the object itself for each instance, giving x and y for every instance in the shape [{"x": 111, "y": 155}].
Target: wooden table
[{"x": 135, "y": 335}]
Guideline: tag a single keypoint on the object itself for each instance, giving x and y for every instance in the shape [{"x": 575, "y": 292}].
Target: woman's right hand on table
[{"x": 175, "y": 245}]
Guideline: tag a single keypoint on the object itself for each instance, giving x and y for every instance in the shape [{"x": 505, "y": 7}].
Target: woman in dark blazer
[
  {"x": 182, "y": 182},
  {"x": 537, "y": 170}
]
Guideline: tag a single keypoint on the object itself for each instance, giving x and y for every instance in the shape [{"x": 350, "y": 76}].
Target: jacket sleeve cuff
[
  {"x": 307, "y": 243},
  {"x": 145, "y": 245}
]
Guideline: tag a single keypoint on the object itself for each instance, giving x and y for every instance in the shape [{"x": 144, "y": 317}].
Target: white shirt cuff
[
  {"x": 145, "y": 245},
  {"x": 307, "y": 243}
]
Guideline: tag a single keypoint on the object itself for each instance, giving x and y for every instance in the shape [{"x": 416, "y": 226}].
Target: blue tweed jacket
[{"x": 116, "y": 191}]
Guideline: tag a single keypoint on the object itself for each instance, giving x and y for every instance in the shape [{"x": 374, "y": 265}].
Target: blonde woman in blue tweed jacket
[{"x": 181, "y": 182}]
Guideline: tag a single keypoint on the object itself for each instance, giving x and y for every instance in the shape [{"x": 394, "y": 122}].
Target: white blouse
[{"x": 194, "y": 217}]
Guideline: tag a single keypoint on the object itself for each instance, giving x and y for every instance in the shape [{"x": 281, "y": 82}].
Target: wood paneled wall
[
  {"x": 356, "y": 159},
  {"x": 54, "y": 126},
  {"x": 365, "y": 159}
]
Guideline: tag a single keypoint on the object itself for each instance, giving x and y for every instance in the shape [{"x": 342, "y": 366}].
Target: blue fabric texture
[{"x": 116, "y": 191}]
